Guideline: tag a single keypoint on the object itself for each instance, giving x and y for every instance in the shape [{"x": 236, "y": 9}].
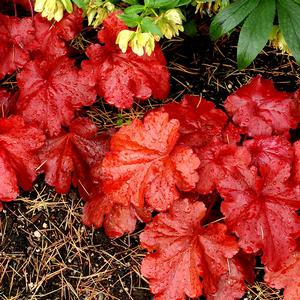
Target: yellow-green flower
[
  {"x": 170, "y": 22},
  {"x": 139, "y": 42},
  {"x": 277, "y": 40},
  {"x": 206, "y": 6},
  {"x": 123, "y": 39},
  {"x": 97, "y": 11},
  {"x": 53, "y": 9}
]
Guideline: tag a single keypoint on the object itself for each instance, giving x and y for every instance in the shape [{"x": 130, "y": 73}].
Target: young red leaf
[
  {"x": 50, "y": 91},
  {"x": 51, "y": 38},
  {"x": 261, "y": 211},
  {"x": 270, "y": 153},
  {"x": 200, "y": 121},
  {"x": 19, "y": 144},
  {"x": 116, "y": 219},
  {"x": 15, "y": 37},
  {"x": 122, "y": 77},
  {"x": 184, "y": 252},
  {"x": 288, "y": 277},
  {"x": 71, "y": 155},
  {"x": 215, "y": 159},
  {"x": 232, "y": 284},
  {"x": 261, "y": 109},
  {"x": 144, "y": 164}
]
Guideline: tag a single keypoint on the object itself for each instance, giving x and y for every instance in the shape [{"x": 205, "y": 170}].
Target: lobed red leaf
[
  {"x": 123, "y": 77},
  {"x": 262, "y": 212},
  {"x": 185, "y": 251},
  {"x": 261, "y": 109},
  {"x": 287, "y": 277},
  {"x": 50, "y": 92},
  {"x": 19, "y": 144},
  {"x": 16, "y": 35},
  {"x": 69, "y": 156}
]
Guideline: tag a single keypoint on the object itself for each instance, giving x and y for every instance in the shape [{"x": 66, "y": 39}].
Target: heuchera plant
[{"x": 215, "y": 188}]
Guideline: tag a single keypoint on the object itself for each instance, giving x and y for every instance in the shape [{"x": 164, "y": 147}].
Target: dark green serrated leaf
[
  {"x": 231, "y": 16},
  {"x": 255, "y": 32},
  {"x": 131, "y": 20},
  {"x": 134, "y": 9},
  {"x": 289, "y": 23},
  {"x": 148, "y": 25}
]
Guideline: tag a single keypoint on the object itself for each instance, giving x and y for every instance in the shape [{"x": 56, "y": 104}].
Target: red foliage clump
[
  {"x": 214, "y": 191},
  {"x": 123, "y": 77}
]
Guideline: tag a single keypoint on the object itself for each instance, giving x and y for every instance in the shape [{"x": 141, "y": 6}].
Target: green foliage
[{"x": 257, "y": 18}]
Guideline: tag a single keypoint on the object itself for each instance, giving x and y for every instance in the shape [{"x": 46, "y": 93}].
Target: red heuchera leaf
[
  {"x": 261, "y": 211},
  {"x": 122, "y": 77},
  {"x": 288, "y": 277},
  {"x": 51, "y": 38},
  {"x": 296, "y": 164},
  {"x": 214, "y": 162},
  {"x": 270, "y": 153},
  {"x": 200, "y": 121},
  {"x": 19, "y": 144},
  {"x": 116, "y": 219},
  {"x": 50, "y": 92},
  {"x": 72, "y": 154},
  {"x": 144, "y": 164},
  {"x": 185, "y": 251},
  {"x": 15, "y": 36},
  {"x": 232, "y": 284},
  {"x": 261, "y": 109},
  {"x": 7, "y": 102}
]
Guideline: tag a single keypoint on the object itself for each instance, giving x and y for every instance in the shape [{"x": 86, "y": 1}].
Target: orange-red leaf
[
  {"x": 19, "y": 144},
  {"x": 288, "y": 277},
  {"x": 184, "y": 251},
  {"x": 69, "y": 156},
  {"x": 123, "y": 77},
  {"x": 262, "y": 212},
  {"x": 15, "y": 37},
  {"x": 261, "y": 109},
  {"x": 50, "y": 92}
]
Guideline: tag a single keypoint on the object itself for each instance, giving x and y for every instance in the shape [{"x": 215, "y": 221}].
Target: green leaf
[
  {"x": 148, "y": 25},
  {"x": 131, "y": 2},
  {"x": 80, "y": 3},
  {"x": 68, "y": 5},
  {"x": 255, "y": 32},
  {"x": 131, "y": 20},
  {"x": 289, "y": 23},
  {"x": 134, "y": 9},
  {"x": 183, "y": 2},
  {"x": 166, "y": 4},
  {"x": 230, "y": 17},
  {"x": 149, "y": 3}
]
